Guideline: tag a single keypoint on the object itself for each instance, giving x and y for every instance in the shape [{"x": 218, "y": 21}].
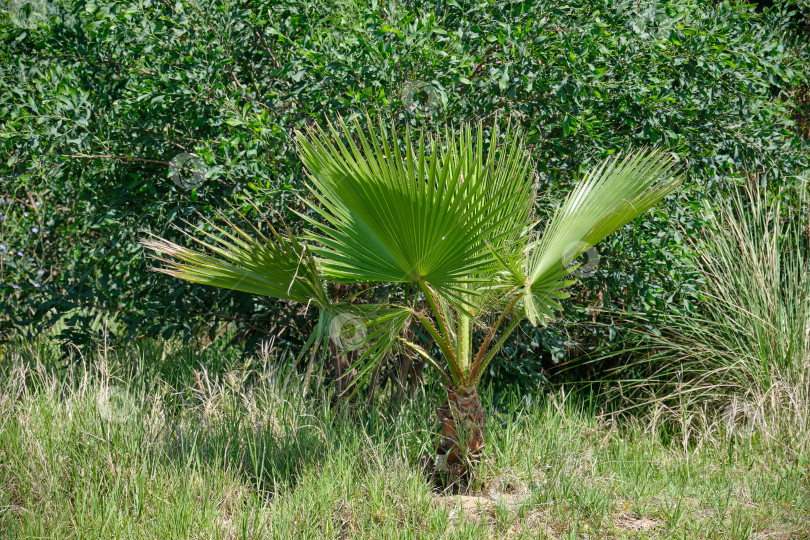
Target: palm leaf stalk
[{"x": 452, "y": 216}]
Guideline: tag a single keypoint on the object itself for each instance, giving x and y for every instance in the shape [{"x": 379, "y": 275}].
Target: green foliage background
[{"x": 98, "y": 98}]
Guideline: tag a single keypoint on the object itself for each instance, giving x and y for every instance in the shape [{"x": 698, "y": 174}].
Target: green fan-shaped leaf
[
  {"x": 405, "y": 211},
  {"x": 252, "y": 262},
  {"x": 617, "y": 192}
]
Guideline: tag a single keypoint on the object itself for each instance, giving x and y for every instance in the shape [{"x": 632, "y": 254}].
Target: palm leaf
[
  {"x": 423, "y": 215},
  {"x": 617, "y": 192},
  {"x": 252, "y": 262}
]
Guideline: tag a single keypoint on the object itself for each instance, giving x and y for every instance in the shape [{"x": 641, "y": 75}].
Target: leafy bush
[{"x": 104, "y": 103}]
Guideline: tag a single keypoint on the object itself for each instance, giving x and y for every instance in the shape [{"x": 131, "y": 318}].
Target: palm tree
[{"x": 450, "y": 221}]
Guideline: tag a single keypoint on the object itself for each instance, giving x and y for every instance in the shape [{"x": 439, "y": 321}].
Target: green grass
[
  {"x": 188, "y": 453},
  {"x": 744, "y": 358}
]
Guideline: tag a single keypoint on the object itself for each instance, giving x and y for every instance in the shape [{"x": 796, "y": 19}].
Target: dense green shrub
[{"x": 99, "y": 99}]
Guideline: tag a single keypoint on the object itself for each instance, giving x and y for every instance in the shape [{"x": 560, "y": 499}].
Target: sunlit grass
[{"x": 228, "y": 455}]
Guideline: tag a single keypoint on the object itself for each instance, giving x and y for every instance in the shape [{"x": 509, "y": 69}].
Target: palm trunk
[
  {"x": 341, "y": 367},
  {"x": 463, "y": 425}
]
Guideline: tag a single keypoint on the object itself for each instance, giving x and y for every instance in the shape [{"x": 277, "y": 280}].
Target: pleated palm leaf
[{"x": 451, "y": 216}]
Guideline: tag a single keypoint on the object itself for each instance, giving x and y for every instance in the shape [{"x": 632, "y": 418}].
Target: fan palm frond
[
  {"x": 617, "y": 192},
  {"x": 269, "y": 265},
  {"x": 422, "y": 213}
]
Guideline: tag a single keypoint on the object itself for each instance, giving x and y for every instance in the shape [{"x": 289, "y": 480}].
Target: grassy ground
[{"x": 97, "y": 453}]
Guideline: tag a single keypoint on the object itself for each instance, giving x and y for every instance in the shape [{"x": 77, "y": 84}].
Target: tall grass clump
[{"x": 745, "y": 357}]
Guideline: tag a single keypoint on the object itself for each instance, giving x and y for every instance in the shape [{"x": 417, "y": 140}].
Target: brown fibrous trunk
[
  {"x": 342, "y": 370},
  {"x": 463, "y": 426}
]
